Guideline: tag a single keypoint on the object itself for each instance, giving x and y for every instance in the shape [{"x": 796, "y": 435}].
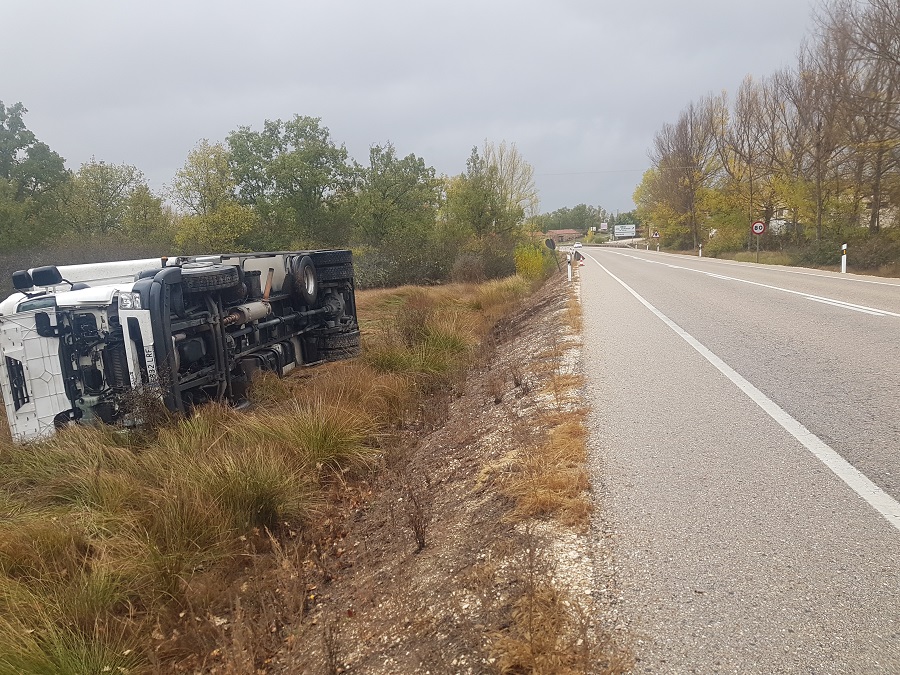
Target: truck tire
[
  {"x": 206, "y": 278},
  {"x": 335, "y": 272},
  {"x": 325, "y": 258},
  {"x": 340, "y": 346},
  {"x": 305, "y": 280}
]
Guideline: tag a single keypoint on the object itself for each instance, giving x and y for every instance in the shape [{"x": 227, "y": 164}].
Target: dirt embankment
[{"x": 439, "y": 566}]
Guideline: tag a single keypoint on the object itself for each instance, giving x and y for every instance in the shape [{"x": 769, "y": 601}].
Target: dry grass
[
  {"x": 112, "y": 543},
  {"x": 548, "y": 630},
  {"x": 573, "y": 316},
  {"x": 550, "y": 479}
]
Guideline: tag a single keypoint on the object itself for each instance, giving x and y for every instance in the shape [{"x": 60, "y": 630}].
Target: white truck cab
[{"x": 77, "y": 340}]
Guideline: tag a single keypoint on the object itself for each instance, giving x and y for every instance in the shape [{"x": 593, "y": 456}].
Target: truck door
[{"x": 31, "y": 376}]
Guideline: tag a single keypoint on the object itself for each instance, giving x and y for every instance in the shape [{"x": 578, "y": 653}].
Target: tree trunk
[{"x": 875, "y": 215}]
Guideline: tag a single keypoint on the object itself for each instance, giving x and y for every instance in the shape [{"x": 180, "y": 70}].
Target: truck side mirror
[{"x": 22, "y": 280}]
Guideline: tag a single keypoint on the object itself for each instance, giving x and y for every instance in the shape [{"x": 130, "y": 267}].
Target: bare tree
[
  {"x": 872, "y": 97},
  {"x": 742, "y": 139},
  {"x": 685, "y": 156},
  {"x": 514, "y": 178}
]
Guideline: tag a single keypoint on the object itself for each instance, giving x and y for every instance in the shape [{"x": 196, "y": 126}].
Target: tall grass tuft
[
  {"x": 42, "y": 545},
  {"x": 255, "y": 488},
  {"x": 51, "y": 648},
  {"x": 551, "y": 480},
  {"x": 315, "y": 433}
]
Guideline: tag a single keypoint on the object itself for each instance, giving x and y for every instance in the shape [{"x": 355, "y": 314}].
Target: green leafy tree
[
  {"x": 398, "y": 198},
  {"x": 98, "y": 200},
  {"x": 212, "y": 218},
  {"x": 225, "y": 230},
  {"x": 581, "y": 217},
  {"x": 492, "y": 199},
  {"x": 32, "y": 177},
  {"x": 205, "y": 181},
  {"x": 396, "y": 209},
  {"x": 471, "y": 201},
  {"x": 295, "y": 176},
  {"x": 146, "y": 219}
]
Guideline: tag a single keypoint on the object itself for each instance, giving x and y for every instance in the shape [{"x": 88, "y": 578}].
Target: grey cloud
[{"x": 580, "y": 86}]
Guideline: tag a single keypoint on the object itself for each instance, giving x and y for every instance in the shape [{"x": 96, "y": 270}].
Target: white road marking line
[
  {"x": 874, "y": 311},
  {"x": 877, "y": 498},
  {"x": 782, "y": 268},
  {"x": 844, "y": 305}
]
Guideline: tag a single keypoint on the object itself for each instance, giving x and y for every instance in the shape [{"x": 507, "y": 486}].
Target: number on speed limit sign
[{"x": 759, "y": 227}]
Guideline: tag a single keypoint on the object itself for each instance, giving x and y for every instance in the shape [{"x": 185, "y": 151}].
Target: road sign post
[{"x": 758, "y": 228}]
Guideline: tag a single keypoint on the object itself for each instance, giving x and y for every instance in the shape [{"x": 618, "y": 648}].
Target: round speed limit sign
[{"x": 759, "y": 227}]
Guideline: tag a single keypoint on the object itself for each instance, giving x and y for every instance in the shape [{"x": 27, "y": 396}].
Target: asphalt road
[{"x": 746, "y": 447}]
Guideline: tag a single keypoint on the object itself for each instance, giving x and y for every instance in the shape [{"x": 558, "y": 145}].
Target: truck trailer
[{"x": 81, "y": 343}]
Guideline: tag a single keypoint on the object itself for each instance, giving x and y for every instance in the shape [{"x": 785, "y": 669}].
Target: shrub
[
  {"x": 468, "y": 269},
  {"x": 530, "y": 262},
  {"x": 821, "y": 252},
  {"x": 872, "y": 251}
]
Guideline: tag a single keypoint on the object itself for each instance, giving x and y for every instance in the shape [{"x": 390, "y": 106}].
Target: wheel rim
[{"x": 309, "y": 281}]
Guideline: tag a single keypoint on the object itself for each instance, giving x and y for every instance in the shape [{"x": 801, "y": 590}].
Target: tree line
[
  {"x": 813, "y": 150},
  {"x": 287, "y": 185}
]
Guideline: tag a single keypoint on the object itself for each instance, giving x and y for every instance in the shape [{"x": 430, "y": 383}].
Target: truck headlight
[{"x": 129, "y": 300}]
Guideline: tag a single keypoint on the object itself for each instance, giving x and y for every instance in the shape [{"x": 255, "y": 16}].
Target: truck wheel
[
  {"x": 306, "y": 282},
  {"x": 325, "y": 258},
  {"x": 206, "y": 278},
  {"x": 340, "y": 346},
  {"x": 336, "y": 272}
]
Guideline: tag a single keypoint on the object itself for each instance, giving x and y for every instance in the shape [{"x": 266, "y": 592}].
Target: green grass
[{"x": 765, "y": 257}]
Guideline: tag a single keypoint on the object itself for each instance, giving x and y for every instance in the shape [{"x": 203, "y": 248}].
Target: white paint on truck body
[{"x": 38, "y": 395}]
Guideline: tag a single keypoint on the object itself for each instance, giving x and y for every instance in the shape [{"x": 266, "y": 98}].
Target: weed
[
  {"x": 573, "y": 315},
  {"x": 417, "y": 516},
  {"x": 496, "y": 386},
  {"x": 517, "y": 373},
  {"x": 766, "y": 257},
  {"x": 551, "y": 479}
]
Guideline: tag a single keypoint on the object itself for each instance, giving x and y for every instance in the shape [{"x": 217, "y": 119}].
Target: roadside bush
[
  {"x": 725, "y": 240},
  {"x": 872, "y": 251},
  {"x": 468, "y": 269},
  {"x": 821, "y": 252},
  {"x": 534, "y": 262}
]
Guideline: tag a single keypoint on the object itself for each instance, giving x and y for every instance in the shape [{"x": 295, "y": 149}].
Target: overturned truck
[{"x": 78, "y": 341}]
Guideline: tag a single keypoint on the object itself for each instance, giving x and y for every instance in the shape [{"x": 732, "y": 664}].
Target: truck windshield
[{"x": 38, "y": 303}]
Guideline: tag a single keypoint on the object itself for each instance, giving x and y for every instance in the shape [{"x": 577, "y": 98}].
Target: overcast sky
[{"x": 580, "y": 86}]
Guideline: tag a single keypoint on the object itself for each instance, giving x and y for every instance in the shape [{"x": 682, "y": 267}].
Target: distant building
[{"x": 560, "y": 236}]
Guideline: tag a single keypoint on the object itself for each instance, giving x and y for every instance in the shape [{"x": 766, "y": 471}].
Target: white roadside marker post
[
  {"x": 843, "y": 258},
  {"x": 700, "y": 251},
  {"x": 569, "y": 264}
]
